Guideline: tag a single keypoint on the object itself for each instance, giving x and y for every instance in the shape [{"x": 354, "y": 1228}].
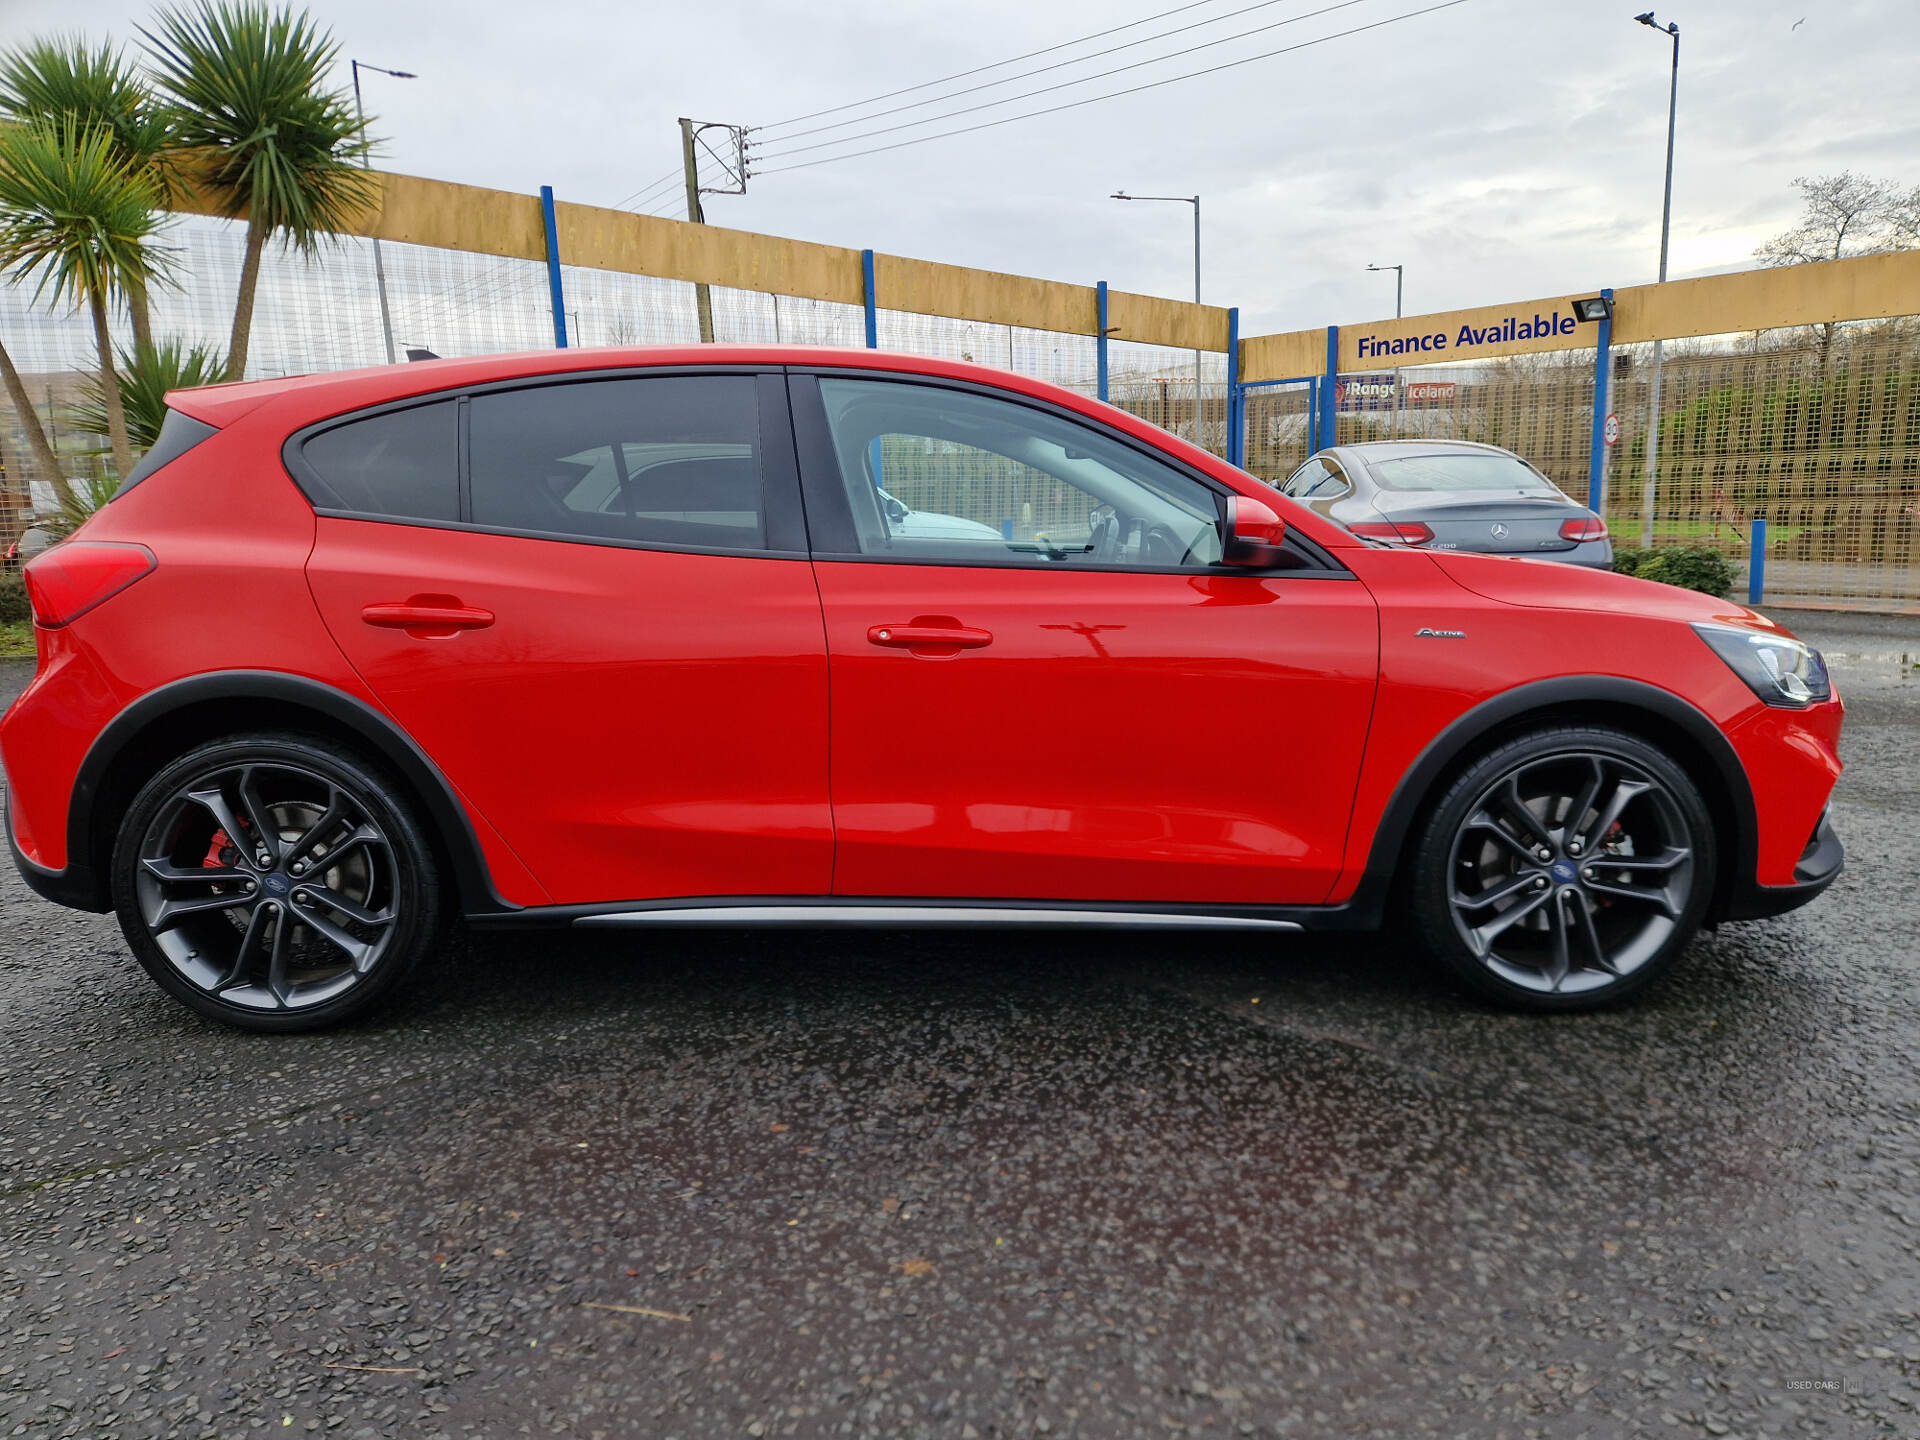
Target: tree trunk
[
  {"x": 44, "y": 458},
  {"x": 142, "y": 317},
  {"x": 110, "y": 388},
  {"x": 243, "y": 306}
]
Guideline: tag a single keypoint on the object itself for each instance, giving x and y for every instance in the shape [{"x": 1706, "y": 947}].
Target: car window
[
  {"x": 1316, "y": 480},
  {"x": 1462, "y": 470},
  {"x": 403, "y": 463},
  {"x": 669, "y": 460},
  {"x": 932, "y": 473}
]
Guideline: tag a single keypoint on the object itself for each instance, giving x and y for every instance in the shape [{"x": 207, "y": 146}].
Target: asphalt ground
[{"x": 944, "y": 1185}]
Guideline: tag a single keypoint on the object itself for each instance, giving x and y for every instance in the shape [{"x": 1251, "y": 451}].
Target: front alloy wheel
[
  {"x": 276, "y": 883},
  {"x": 1565, "y": 869}
]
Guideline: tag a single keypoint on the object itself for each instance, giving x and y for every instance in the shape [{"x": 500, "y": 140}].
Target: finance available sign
[
  {"x": 1463, "y": 335},
  {"x": 1470, "y": 337}
]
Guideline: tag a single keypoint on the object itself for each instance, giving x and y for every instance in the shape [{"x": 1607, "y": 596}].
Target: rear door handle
[
  {"x": 911, "y": 637},
  {"x": 419, "y": 618}
]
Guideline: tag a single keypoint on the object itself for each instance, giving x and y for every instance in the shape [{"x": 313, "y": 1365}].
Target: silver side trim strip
[{"x": 915, "y": 916}]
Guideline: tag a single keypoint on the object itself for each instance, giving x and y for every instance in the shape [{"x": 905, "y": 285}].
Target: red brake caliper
[{"x": 214, "y": 847}]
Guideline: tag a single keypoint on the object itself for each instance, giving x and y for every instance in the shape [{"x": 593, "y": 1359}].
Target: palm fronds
[
  {"x": 248, "y": 85},
  {"x": 146, "y": 374}
]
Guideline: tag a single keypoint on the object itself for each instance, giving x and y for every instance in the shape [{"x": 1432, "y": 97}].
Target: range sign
[{"x": 1381, "y": 392}]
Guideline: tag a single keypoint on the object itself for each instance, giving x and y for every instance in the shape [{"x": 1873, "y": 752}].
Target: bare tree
[
  {"x": 1903, "y": 220},
  {"x": 1845, "y": 215}
]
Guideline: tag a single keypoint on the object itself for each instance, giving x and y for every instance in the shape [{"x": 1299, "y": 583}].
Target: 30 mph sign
[{"x": 1612, "y": 430}]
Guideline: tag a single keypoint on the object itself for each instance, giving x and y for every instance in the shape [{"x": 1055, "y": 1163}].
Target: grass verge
[{"x": 16, "y": 639}]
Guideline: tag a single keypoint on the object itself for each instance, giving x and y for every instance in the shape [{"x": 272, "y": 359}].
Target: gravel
[{"x": 939, "y": 1185}]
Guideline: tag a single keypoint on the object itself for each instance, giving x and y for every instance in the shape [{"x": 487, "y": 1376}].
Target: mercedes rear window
[{"x": 1461, "y": 472}]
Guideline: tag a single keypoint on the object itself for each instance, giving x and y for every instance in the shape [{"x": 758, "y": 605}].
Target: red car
[{"x": 739, "y": 636}]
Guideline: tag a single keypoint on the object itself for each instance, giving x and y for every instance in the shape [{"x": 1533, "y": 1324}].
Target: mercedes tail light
[
  {"x": 66, "y": 581},
  {"x": 1587, "y": 527},
  {"x": 1394, "y": 532}
]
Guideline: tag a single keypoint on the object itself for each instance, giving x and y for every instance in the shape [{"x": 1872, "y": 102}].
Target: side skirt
[
  {"x": 922, "y": 917},
  {"x": 889, "y": 912}
]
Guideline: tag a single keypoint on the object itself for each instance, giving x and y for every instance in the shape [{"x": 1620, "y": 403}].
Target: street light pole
[
  {"x": 1193, "y": 200},
  {"x": 1649, "y": 493},
  {"x": 1399, "y": 276},
  {"x": 366, "y": 160}
]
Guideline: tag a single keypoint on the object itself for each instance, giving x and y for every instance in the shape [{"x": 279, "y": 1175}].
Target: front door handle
[
  {"x": 427, "y": 616},
  {"x": 914, "y": 637}
]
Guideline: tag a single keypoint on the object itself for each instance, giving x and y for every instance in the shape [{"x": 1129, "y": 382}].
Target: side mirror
[{"x": 1254, "y": 534}]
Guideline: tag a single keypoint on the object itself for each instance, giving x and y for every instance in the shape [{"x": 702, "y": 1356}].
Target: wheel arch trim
[
  {"x": 1731, "y": 792},
  {"x": 391, "y": 745}
]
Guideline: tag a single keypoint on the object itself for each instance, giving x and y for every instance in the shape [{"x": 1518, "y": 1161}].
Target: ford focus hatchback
[{"x": 748, "y": 636}]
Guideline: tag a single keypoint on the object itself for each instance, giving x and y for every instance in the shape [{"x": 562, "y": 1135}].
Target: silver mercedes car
[{"x": 1450, "y": 495}]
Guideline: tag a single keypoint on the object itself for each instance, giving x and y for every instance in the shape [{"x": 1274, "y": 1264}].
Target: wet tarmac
[{"x": 936, "y": 1185}]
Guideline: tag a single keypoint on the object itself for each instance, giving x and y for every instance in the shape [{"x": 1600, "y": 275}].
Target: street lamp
[
  {"x": 1672, "y": 30},
  {"x": 366, "y": 160},
  {"x": 1193, "y": 200},
  {"x": 1399, "y": 276}
]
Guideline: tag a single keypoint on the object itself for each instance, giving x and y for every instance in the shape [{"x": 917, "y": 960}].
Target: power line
[
  {"x": 982, "y": 69},
  {"x": 1112, "y": 94},
  {"x": 1042, "y": 70},
  {"x": 673, "y": 174},
  {"x": 1065, "y": 84}
]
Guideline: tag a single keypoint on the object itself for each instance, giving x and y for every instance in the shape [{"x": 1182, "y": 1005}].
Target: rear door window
[
  {"x": 400, "y": 463},
  {"x": 665, "y": 460}
]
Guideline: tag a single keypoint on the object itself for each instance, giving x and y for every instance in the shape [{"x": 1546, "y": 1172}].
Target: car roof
[
  {"x": 1407, "y": 449},
  {"x": 337, "y": 391}
]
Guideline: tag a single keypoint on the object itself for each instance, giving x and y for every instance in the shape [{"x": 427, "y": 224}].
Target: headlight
[{"x": 1778, "y": 668}]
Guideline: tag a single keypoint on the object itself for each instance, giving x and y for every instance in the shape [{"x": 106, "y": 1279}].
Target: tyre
[
  {"x": 276, "y": 882},
  {"x": 1563, "y": 870}
]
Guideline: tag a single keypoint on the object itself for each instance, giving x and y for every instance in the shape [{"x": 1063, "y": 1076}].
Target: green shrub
[
  {"x": 13, "y": 599},
  {"x": 1691, "y": 567}
]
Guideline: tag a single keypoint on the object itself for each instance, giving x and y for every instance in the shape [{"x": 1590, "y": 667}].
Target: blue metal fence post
[
  {"x": 1602, "y": 389},
  {"x": 1313, "y": 413},
  {"x": 1100, "y": 339},
  {"x": 1236, "y": 447},
  {"x": 1329, "y": 388},
  {"x": 1757, "y": 562},
  {"x": 873, "y": 313},
  {"x": 553, "y": 268}
]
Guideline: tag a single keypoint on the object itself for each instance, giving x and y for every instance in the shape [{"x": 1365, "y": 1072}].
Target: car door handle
[
  {"x": 413, "y": 615},
  {"x": 909, "y": 637}
]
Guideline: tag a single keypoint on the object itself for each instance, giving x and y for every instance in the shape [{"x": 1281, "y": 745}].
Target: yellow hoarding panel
[{"x": 1868, "y": 287}]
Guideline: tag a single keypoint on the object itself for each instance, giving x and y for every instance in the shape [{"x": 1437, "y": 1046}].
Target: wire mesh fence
[{"x": 1815, "y": 431}]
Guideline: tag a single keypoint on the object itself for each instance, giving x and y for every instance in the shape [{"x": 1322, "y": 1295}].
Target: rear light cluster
[
  {"x": 1402, "y": 532},
  {"x": 1590, "y": 527},
  {"x": 66, "y": 581}
]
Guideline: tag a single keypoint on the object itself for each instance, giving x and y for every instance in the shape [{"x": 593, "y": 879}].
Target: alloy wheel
[
  {"x": 268, "y": 886},
  {"x": 1569, "y": 872}
]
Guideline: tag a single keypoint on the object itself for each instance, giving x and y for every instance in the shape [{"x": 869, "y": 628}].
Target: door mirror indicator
[{"x": 1254, "y": 534}]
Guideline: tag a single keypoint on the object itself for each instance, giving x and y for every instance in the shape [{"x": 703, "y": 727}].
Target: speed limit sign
[{"x": 1612, "y": 431}]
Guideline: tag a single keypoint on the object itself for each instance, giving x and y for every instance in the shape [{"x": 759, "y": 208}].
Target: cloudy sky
[{"x": 1501, "y": 149}]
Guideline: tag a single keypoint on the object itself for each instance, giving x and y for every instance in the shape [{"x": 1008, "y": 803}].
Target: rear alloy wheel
[
  {"x": 274, "y": 882},
  {"x": 1565, "y": 869}
]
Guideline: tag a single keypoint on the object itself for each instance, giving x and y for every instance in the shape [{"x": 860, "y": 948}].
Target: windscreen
[{"x": 1467, "y": 472}]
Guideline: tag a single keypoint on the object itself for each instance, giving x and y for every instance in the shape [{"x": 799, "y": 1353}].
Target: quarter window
[
  {"x": 938, "y": 474},
  {"x": 667, "y": 460},
  {"x": 403, "y": 463}
]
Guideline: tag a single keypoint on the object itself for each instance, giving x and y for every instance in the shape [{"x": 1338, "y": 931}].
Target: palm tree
[
  {"x": 63, "y": 78},
  {"x": 270, "y": 141},
  {"x": 74, "y": 214}
]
